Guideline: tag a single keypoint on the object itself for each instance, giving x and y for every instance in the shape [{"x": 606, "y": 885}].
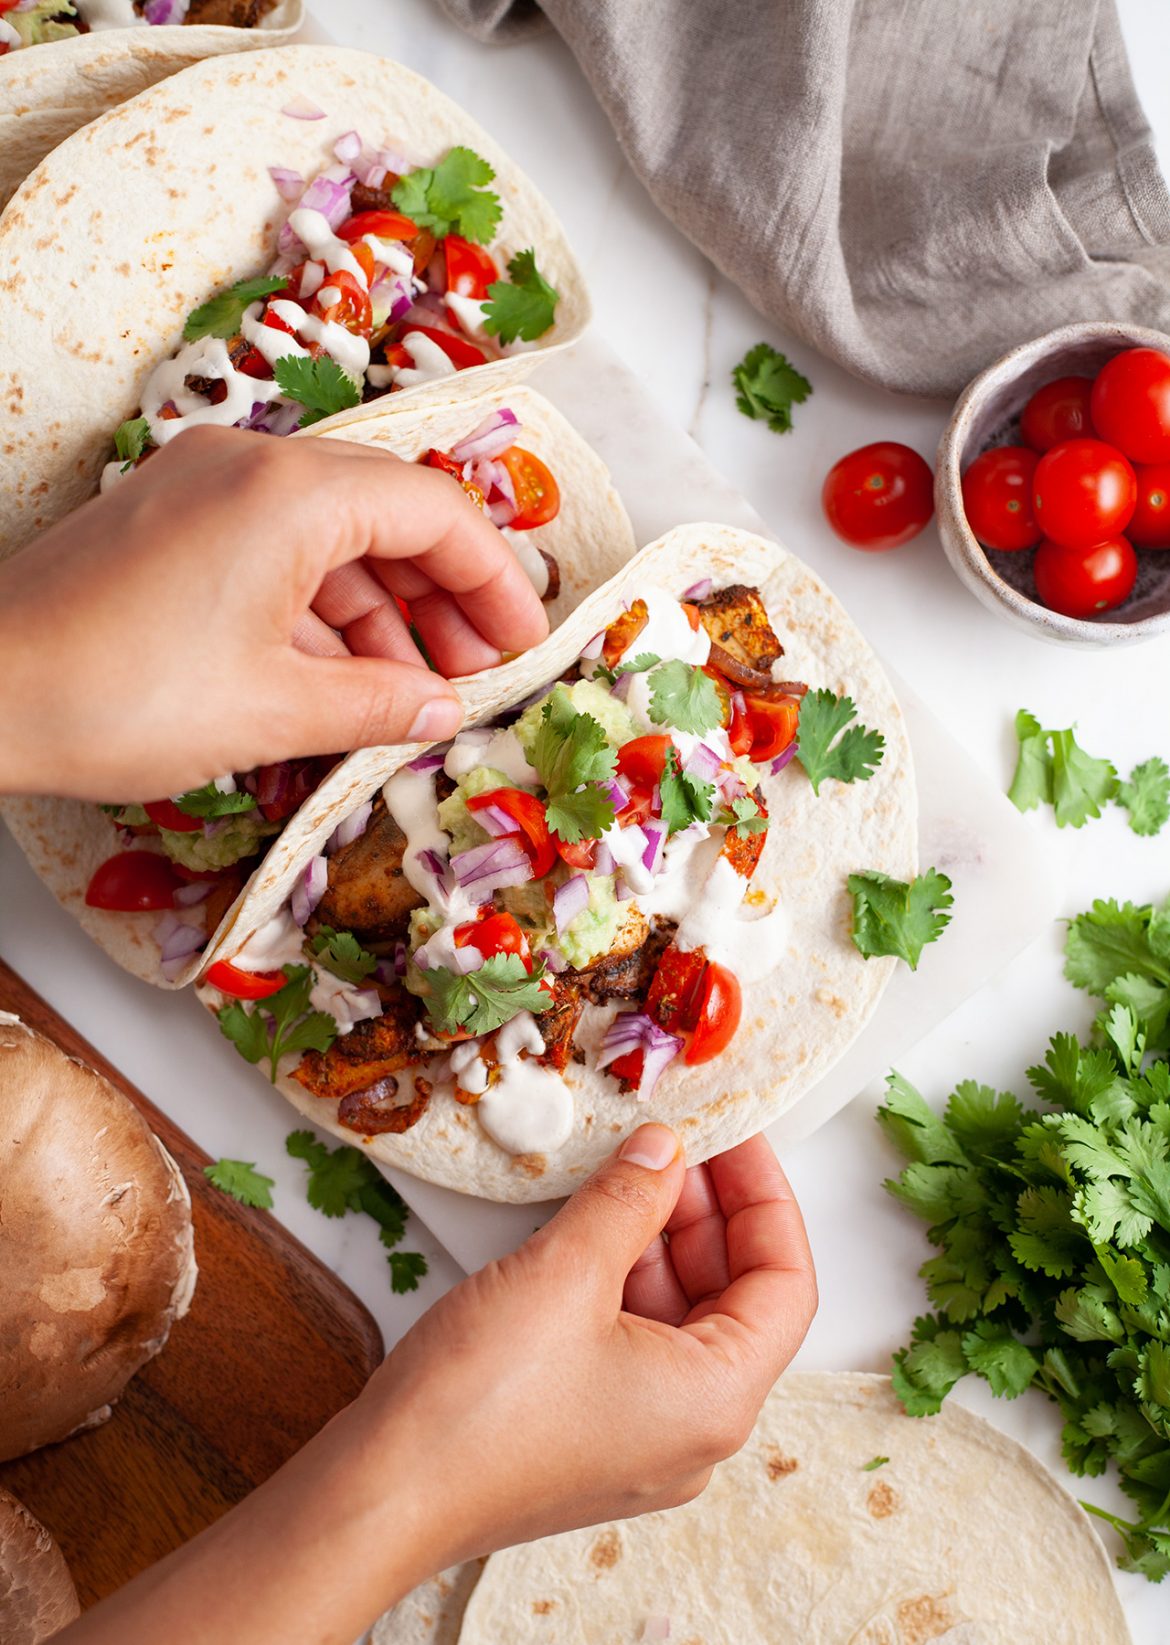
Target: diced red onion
[
  {"x": 501, "y": 512},
  {"x": 422, "y": 959},
  {"x": 495, "y": 434},
  {"x": 703, "y": 763},
  {"x": 468, "y": 959},
  {"x": 394, "y": 161},
  {"x": 494, "y": 820},
  {"x": 300, "y": 108},
  {"x": 348, "y": 147},
  {"x": 489, "y": 475},
  {"x": 375, "y": 176},
  {"x": 622, "y": 891},
  {"x": 556, "y": 963},
  {"x": 438, "y": 868},
  {"x": 216, "y": 825},
  {"x": 426, "y": 762},
  {"x": 655, "y": 832},
  {"x": 782, "y": 760},
  {"x": 593, "y": 647},
  {"x": 309, "y": 889},
  {"x": 603, "y": 862},
  {"x": 569, "y": 900},
  {"x": 428, "y": 307},
  {"x": 621, "y": 687},
  {"x": 635, "y": 1031},
  {"x": 399, "y": 959},
  {"x": 731, "y": 786},
  {"x": 350, "y": 828},
  {"x": 363, "y": 1003},
  {"x": 699, "y": 590},
  {"x": 329, "y": 193},
  {"x": 189, "y": 896},
  {"x": 165, "y": 11},
  {"x": 290, "y": 185},
  {"x": 617, "y": 792},
  {"x": 386, "y": 972},
  {"x": 177, "y": 940},
  {"x": 489, "y": 868}
]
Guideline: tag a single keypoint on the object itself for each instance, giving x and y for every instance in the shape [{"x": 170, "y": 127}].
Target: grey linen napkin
[{"x": 912, "y": 186}]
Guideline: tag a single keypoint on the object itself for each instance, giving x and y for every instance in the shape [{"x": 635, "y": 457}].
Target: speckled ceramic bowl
[{"x": 986, "y": 415}]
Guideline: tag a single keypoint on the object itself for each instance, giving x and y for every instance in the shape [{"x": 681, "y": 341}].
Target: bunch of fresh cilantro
[{"x": 1052, "y": 1227}]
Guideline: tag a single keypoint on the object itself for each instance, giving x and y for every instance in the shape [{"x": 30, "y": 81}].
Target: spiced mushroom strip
[
  {"x": 98, "y": 1252},
  {"x": 37, "y": 1596}
]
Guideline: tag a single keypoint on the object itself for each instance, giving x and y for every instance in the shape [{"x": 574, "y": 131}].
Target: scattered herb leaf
[
  {"x": 874, "y": 1462},
  {"x": 1146, "y": 796},
  {"x": 344, "y": 1179},
  {"x": 852, "y": 757},
  {"x": 1052, "y": 768},
  {"x": 242, "y": 1181},
  {"x": 768, "y": 386},
  {"x": 522, "y": 306},
  {"x": 899, "y": 918}
]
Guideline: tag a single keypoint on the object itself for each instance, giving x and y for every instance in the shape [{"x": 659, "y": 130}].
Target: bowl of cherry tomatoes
[{"x": 1052, "y": 485}]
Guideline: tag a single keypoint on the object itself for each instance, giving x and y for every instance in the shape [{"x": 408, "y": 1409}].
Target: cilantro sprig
[
  {"x": 685, "y": 799},
  {"x": 684, "y": 697},
  {"x": 767, "y": 387},
  {"x": 1052, "y": 768},
  {"x": 242, "y": 1181},
  {"x": 131, "y": 439},
  {"x": 1146, "y": 796},
  {"x": 524, "y": 305},
  {"x": 222, "y": 315},
  {"x": 344, "y": 1179},
  {"x": 452, "y": 197},
  {"x": 828, "y": 746},
  {"x": 480, "y": 1001},
  {"x": 1051, "y": 1226},
  {"x": 573, "y": 759},
  {"x": 281, "y": 1024},
  {"x": 745, "y": 816},
  {"x": 897, "y": 917},
  {"x": 341, "y": 953},
  {"x": 319, "y": 385},
  {"x": 210, "y": 801}
]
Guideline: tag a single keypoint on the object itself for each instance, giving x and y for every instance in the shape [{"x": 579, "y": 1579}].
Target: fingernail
[
  {"x": 651, "y": 1146},
  {"x": 439, "y": 717}
]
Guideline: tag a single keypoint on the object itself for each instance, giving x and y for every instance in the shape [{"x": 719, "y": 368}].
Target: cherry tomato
[
  {"x": 997, "y": 498},
  {"x": 1083, "y": 491},
  {"x": 772, "y": 724},
  {"x": 364, "y": 258},
  {"x": 383, "y": 225},
  {"x": 253, "y": 364},
  {"x": 879, "y": 496},
  {"x": 1131, "y": 404},
  {"x": 739, "y": 731},
  {"x": 397, "y": 354},
  {"x": 674, "y": 988},
  {"x": 167, "y": 815},
  {"x": 446, "y": 463},
  {"x": 470, "y": 269},
  {"x": 1083, "y": 581},
  {"x": 640, "y": 761},
  {"x": 1150, "y": 525},
  {"x": 244, "y": 985},
  {"x": 527, "y": 812},
  {"x": 496, "y": 934},
  {"x": 718, "y": 1012},
  {"x": 577, "y": 853},
  {"x": 538, "y": 497},
  {"x": 1058, "y": 411},
  {"x": 458, "y": 350},
  {"x": 131, "y": 881},
  {"x": 350, "y": 307}
]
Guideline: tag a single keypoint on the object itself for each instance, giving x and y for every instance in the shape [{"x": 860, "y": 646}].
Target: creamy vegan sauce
[
  {"x": 500, "y": 751},
  {"x": 280, "y": 942}
]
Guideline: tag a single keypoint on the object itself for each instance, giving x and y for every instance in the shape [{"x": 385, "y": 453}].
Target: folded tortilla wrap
[
  {"x": 162, "y": 203},
  {"x": 958, "y": 1536},
  {"x": 799, "y": 1020},
  {"x": 48, "y": 91},
  {"x": 590, "y": 538}
]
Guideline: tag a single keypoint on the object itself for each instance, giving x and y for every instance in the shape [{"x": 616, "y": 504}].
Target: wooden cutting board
[{"x": 272, "y": 1347}]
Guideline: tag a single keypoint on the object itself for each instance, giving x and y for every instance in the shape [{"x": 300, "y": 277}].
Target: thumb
[
  {"x": 358, "y": 702},
  {"x": 624, "y": 1206}
]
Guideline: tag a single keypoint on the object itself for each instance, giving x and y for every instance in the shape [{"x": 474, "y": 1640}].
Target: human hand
[
  {"x": 600, "y": 1371},
  {"x": 187, "y": 624}
]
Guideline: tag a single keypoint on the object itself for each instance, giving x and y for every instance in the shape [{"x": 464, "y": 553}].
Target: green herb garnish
[
  {"x": 899, "y": 918},
  {"x": 344, "y": 1179},
  {"x": 480, "y": 1001},
  {"x": 768, "y": 386},
  {"x": 242, "y": 1181},
  {"x": 223, "y": 315},
  {"x": 341, "y": 953},
  {"x": 1053, "y": 769},
  {"x": 685, "y": 799},
  {"x": 522, "y": 306},
  {"x": 451, "y": 198},
  {"x": 684, "y": 697},
  {"x": 210, "y": 801},
  {"x": 852, "y": 757},
  {"x": 1146, "y": 796},
  {"x": 319, "y": 385},
  {"x": 131, "y": 440},
  {"x": 573, "y": 758},
  {"x": 280, "y": 1024}
]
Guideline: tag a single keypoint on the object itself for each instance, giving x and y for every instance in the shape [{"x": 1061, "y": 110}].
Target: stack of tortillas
[{"x": 957, "y": 1535}]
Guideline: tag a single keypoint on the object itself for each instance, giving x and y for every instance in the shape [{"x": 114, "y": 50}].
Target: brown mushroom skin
[
  {"x": 98, "y": 1252},
  {"x": 37, "y": 1596}
]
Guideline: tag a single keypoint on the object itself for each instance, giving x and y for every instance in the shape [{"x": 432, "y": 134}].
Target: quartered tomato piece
[
  {"x": 538, "y": 497},
  {"x": 384, "y": 225},
  {"x": 773, "y": 725},
  {"x": 628, "y": 1067},
  {"x": 364, "y": 258},
  {"x": 277, "y": 322},
  {"x": 458, "y": 350},
  {"x": 167, "y": 815},
  {"x": 497, "y": 934},
  {"x": 343, "y": 299},
  {"x": 718, "y": 1010},
  {"x": 470, "y": 269},
  {"x": 244, "y": 985},
  {"x": 577, "y": 853},
  {"x": 253, "y": 364},
  {"x": 623, "y": 631},
  {"x": 133, "y": 881},
  {"x": 640, "y": 762},
  {"x": 527, "y": 812}
]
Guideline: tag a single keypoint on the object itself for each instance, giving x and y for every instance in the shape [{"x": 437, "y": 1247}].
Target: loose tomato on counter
[
  {"x": 879, "y": 496},
  {"x": 1150, "y": 524},
  {"x": 538, "y": 497},
  {"x": 1058, "y": 411},
  {"x": 1082, "y": 582},
  {"x": 1131, "y": 404},
  {"x": 132, "y": 882},
  {"x": 244, "y": 985},
  {"x": 1083, "y": 492},
  {"x": 997, "y": 498}
]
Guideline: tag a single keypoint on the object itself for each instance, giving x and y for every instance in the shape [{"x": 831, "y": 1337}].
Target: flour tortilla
[
  {"x": 48, "y": 91},
  {"x": 591, "y": 538},
  {"x": 796, "y": 1023},
  {"x": 961, "y": 1538},
  {"x": 158, "y": 204}
]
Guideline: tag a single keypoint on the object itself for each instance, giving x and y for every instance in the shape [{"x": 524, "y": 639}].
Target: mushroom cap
[
  {"x": 37, "y": 1596},
  {"x": 99, "y": 1256}
]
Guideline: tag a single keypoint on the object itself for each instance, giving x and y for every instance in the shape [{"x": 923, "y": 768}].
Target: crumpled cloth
[{"x": 912, "y": 186}]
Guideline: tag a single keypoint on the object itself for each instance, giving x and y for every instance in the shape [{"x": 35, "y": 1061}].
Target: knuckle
[{"x": 622, "y": 1190}]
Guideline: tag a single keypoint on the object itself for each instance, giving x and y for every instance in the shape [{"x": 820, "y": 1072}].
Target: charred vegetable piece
[
  {"x": 743, "y": 851},
  {"x": 385, "y": 1107},
  {"x": 373, "y": 1049},
  {"x": 737, "y": 623},
  {"x": 367, "y": 892},
  {"x": 623, "y": 631}
]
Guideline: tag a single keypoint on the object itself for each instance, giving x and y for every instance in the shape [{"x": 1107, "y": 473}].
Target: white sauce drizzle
[
  {"x": 752, "y": 948},
  {"x": 279, "y": 942},
  {"x": 501, "y": 752},
  {"x": 668, "y": 632},
  {"x": 469, "y": 311}
]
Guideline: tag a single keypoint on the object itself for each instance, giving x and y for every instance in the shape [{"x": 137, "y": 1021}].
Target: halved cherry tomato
[
  {"x": 384, "y": 225},
  {"x": 1083, "y": 492},
  {"x": 446, "y": 463},
  {"x": 496, "y": 934},
  {"x": 997, "y": 498},
  {"x": 527, "y": 812},
  {"x": 1058, "y": 411},
  {"x": 577, "y": 853},
  {"x": 277, "y": 322},
  {"x": 458, "y": 350},
  {"x": 1084, "y": 581},
  {"x": 350, "y": 308},
  {"x": 641, "y": 760},
  {"x": 1150, "y": 525},
  {"x": 167, "y": 815},
  {"x": 773, "y": 725},
  {"x": 538, "y": 497},
  {"x": 718, "y": 1010},
  {"x": 364, "y": 258},
  {"x": 470, "y": 269},
  {"x": 131, "y": 881},
  {"x": 739, "y": 731},
  {"x": 244, "y": 985}
]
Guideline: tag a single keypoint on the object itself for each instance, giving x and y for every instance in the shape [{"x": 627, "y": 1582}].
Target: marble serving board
[{"x": 1003, "y": 892}]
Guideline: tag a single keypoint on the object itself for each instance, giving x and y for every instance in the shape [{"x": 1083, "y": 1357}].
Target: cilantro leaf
[
  {"x": 344, "y": 1179},
  {"x": 768, "y": 386},
  {"x": 1032, "y": 782},
  {"x": 210, "y": 801},
  {"x": 573, "y": 758},
  {"x": 131, "y": 439},
  {"x": 242, "y": 1181},
  {"x": 524, "y": 306},
  {"x": 480, "y": 1001},
  {"x": 280, "y": 1024},
  {"x": 406, "y": 1269},
  {"x": 853, "y": 757},
  {"x": 893, "y": 917},
  {"x": 319, "y": 385},
  {"x": 1146, "y": 796},
  {"x": 874, "y": 1462},
  {"x": 1110, "y": 941},
  {"x": 1052, "y": 767},
  {"x": 684, "y": 697},
  {"x": 223, "y": 315},
  {"x": 341, "y": 953},
  {"x": 997, "y": 1355},
  {"x": 685, "y": 799},
  {"x": 451, "y": 198},
  {"x": 745, "y": 817},
  {"x": 640, "y": 664}
]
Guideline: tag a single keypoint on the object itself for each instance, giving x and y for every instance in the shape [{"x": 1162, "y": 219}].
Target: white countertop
[{"x": 681, "y": 327}]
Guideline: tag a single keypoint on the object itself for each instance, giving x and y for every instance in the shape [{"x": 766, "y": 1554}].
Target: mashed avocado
[
  {"x": 454, "y": 816},
  {"x": 43, "y": 23},
  {"x": 200, "y": 851},
  {"x": 594, "y": 929},
  {"x": 587, "y": 697}
]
